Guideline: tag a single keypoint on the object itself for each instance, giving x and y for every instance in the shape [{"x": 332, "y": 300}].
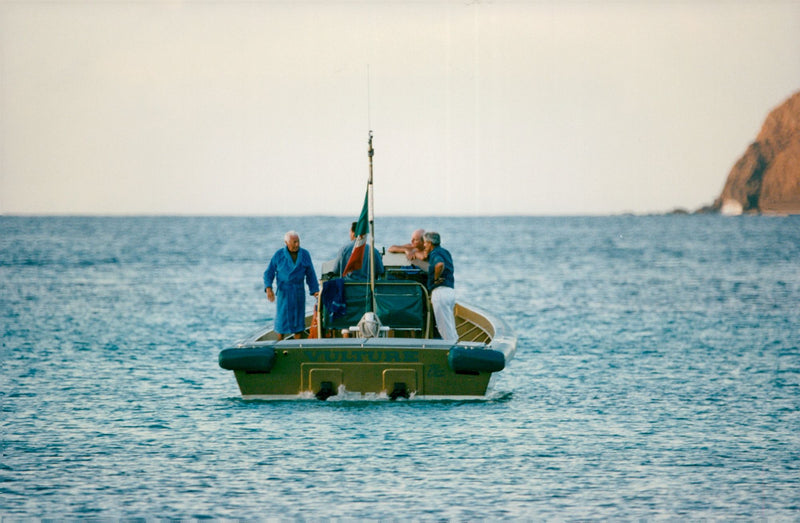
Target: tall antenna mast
[
  {"x": 371, "y": 211},
  {"x": 369, "y": 105},
  {"x": 371, "y": 217}
]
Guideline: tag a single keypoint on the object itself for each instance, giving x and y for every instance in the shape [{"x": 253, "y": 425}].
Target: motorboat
[
  {"x": 389, "y": 352},
  {"x": 374, "y": 339}
]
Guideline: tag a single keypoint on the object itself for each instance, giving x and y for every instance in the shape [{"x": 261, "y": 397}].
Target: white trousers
[{"x": 443, "y": 300}]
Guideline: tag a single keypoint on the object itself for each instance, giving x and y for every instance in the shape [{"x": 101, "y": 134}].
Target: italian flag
[{"x": 357, "y": 256}]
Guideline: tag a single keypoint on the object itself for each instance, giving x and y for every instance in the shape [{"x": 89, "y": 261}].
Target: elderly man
[
  {"x": 414, "y": 250},
  {"x": 289, "y": 266},
  {"x": 441, "y": 285}
]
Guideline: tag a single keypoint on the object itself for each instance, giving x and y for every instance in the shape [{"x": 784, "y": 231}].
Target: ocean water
[{"x": 657, "y": 375}]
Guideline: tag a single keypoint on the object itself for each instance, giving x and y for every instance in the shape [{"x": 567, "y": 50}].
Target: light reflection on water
[{"x": 656, "y": 376}]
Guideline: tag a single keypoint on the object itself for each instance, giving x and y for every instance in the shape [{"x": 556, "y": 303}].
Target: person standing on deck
[
  {"x": 441, "y": 285},
  {"x": 289, "y": 266}
]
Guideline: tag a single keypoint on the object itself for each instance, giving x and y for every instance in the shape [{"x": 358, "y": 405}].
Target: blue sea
[{"x": 657, "y": 375}]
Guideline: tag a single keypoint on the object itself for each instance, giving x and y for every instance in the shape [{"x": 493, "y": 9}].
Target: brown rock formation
[{"x": 767, "y": 177}]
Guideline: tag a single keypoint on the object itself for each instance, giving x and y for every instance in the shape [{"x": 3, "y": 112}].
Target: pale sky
[{"x": 477, "y": 108}]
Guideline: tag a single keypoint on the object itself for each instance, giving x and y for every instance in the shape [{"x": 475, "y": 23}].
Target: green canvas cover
[{"x": 399, "y": 305}]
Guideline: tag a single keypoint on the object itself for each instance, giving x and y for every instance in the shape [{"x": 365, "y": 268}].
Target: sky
[{"x": 477, "y": 108}]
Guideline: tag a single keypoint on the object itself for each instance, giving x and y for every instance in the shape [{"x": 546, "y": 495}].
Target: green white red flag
[{"x": 362, "y": 227}]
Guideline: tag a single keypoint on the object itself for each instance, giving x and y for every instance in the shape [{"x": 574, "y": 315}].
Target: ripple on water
[{"x": 656, "y": 376}]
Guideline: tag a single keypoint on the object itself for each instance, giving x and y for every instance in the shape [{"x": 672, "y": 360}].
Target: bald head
[{"x": 417, "y": 239}]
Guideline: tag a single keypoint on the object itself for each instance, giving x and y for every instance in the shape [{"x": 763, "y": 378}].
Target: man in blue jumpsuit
[{"x": 289, "y": 266}]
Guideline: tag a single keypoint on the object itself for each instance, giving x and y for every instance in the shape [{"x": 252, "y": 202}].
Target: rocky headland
[{"x": 766, "y": 179}]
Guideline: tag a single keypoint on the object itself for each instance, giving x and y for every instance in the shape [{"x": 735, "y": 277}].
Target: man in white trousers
[{"x": 441, "y": 285}]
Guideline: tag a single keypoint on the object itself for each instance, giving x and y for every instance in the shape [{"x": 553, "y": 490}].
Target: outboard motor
[{"x": 369, "y": 326}]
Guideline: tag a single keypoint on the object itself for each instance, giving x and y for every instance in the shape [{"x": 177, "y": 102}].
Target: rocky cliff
[{"x": 767, "y": 177}]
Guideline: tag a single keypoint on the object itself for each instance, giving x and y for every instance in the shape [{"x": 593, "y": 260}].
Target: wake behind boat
[{"x": 374, "y": 339}]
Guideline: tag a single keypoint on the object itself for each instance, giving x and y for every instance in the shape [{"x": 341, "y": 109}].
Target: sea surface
[{"x": 657, "y": 375}]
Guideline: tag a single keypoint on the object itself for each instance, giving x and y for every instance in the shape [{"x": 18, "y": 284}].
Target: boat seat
[{"x": 400, "y": 305}]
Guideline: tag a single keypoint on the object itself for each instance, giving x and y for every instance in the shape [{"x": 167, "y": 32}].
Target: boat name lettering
[{"x": 362, "y": 356}]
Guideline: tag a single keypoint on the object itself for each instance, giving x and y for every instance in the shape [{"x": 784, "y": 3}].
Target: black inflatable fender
[
  {"x": 473, "y": 360},
  {"x": 252, "y": 359}
]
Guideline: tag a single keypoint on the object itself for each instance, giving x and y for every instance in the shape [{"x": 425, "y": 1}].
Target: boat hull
[
  {"x": 365, "y": 366},
  {"x": 371, "y": 367}
]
